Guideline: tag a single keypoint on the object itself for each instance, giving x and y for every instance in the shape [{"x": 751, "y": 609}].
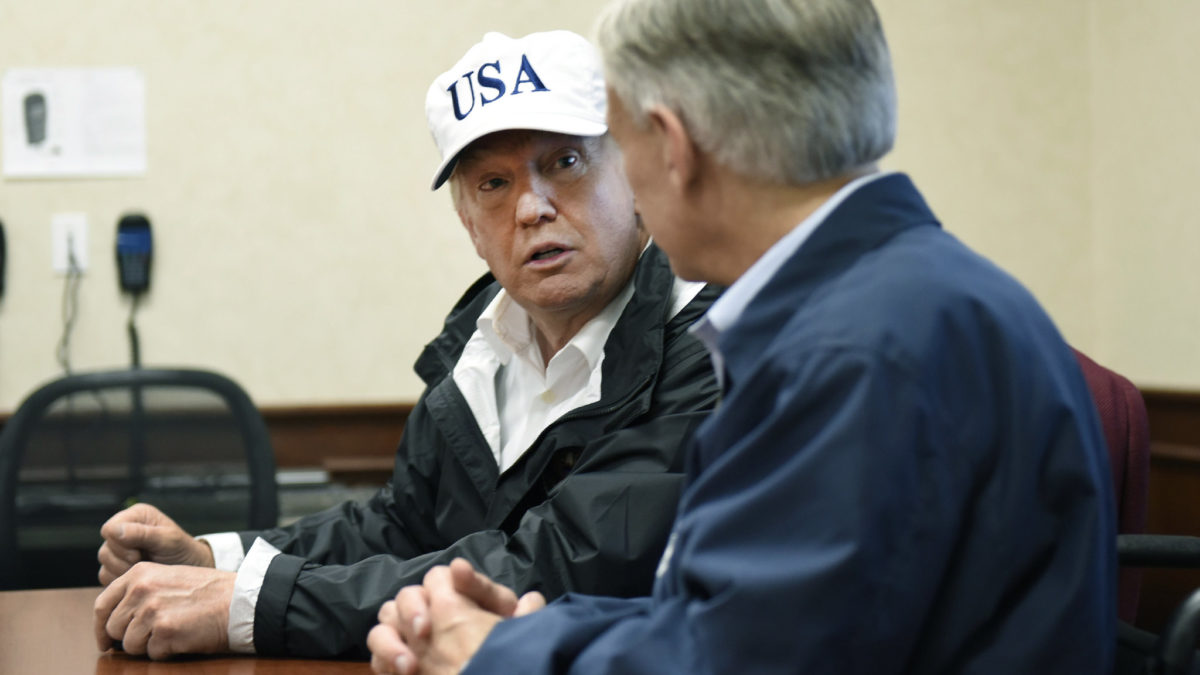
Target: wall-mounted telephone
[{"x": 135, "y": 248}]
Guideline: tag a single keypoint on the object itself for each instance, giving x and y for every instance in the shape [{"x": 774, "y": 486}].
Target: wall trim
[
  {"x": 318, "y": 435},
  {"x": 1174, "y": 416}
]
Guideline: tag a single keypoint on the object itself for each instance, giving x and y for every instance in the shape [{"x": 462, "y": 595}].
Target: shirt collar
[
  {"x": 729, "y": 307},
  {"x": 507, "y": 328}
]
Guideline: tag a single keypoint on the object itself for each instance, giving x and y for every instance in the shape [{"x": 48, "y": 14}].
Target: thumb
[
  {"x": 137, "y": 535},
  {"x": 529, "y": 603},
  {"x": 484, "y": 592}
]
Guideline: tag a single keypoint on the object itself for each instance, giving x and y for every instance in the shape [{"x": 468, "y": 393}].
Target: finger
[
  {"x": 159, "y": 647},
  {"x": 127, "y": 603},
  {"x": 138, "y": 536},
  {"x": 412, "y": 609},
  {"x": 113, "y": 554},
  {"x": 384, "y": 643},
  {"x": 117, "y": 559},
  {"x": 109, "y": 529},
  {"x": 388, "y": 614},
  {"x": 530, "y": 603},
  {"x": 117, "y": 626},
  {"x": 377, "y": 665},
  {"x": 389, "y": 654},
  {"x": 486, "y": 593},
  {"x": 136, "y": 634},
  {"x": 138, "y": 513},
  {"x": 119, "y": 551},
  {"x": 103, "y": 608}
]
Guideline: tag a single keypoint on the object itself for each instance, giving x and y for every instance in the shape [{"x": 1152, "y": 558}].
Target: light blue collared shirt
[{"x": 729, "y": 307}]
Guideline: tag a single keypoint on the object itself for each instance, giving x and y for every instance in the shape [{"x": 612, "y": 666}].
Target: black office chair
[
  {"x": 84, "y": 446},
  {"x": 1173, "y": 651}
]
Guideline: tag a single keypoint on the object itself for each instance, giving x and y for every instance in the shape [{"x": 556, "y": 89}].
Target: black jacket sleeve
[
  {"x": 600, "y": 528},
  {"x": 345, "y": 533}
]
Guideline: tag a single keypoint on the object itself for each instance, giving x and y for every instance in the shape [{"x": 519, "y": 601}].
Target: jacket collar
[{"x": 865, "y": 220}]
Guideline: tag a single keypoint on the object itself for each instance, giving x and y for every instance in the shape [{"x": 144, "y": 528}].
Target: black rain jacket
[{"x": 587, "y": 509}]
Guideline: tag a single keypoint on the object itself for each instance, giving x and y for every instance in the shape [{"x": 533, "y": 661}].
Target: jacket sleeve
[
  {"x": 602, "y": 527},
  {"x": 345, "y": 533}
]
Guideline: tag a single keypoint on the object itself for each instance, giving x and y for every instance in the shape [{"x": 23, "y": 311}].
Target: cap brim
[{"x": 552, "y": 122}]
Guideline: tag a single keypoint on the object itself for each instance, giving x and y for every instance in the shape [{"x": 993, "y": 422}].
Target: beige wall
[
  {"x": 995, "y": 128},
  {"x": 299, "y": 250},
  {"x": 1146, "y": 202}
]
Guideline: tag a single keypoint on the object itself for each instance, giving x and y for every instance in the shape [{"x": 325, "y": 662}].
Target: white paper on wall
[{"x": 73, "y": 122}]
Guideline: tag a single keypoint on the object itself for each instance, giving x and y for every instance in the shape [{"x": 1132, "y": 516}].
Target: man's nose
[{"x": 536, "y": 203}]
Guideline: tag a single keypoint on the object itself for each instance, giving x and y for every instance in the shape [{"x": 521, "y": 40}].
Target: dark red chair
[{"x": 1127, "y": 432}]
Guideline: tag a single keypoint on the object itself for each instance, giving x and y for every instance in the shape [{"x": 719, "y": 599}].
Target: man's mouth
[{"x": 548, "y": 253}]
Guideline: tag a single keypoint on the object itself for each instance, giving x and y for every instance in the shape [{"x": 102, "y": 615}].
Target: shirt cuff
[
  {"x": 249, "y": 582},
  {"x": 226, "y": 549}
]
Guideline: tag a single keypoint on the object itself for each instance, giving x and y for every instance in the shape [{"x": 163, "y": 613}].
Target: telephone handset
[{"x": 135, "y": 248}]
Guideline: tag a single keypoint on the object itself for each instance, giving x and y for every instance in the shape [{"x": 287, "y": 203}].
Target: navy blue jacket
[{"x": 905, "y": 475}]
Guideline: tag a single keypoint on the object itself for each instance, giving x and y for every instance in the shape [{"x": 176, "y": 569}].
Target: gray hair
[{"x": 790, "y": 91}]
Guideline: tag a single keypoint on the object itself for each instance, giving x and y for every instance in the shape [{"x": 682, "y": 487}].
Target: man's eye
[
  {"x": 492, "y": 184},
  {"x": 567, "y": 161}
]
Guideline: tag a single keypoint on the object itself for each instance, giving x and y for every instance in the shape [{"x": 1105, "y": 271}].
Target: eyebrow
[{"x": 590, "y": 146}]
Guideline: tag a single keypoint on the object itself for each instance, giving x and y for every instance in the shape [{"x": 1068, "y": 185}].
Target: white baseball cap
[{"x": 551, "y": 81}]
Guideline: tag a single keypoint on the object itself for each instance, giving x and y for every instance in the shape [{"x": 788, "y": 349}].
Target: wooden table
[{"x": 51, "y": 632}]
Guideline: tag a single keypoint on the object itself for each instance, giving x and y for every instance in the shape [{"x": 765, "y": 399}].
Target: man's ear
[{"x": 679, "y": 152}]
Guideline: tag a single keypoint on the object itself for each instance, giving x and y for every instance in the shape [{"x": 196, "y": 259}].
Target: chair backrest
[
  {"x": 84, "y": 446},
  {"x": 1127, "y": 431}
]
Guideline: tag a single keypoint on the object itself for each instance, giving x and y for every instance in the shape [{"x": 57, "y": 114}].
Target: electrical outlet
[{"x": 68, "y": 233}]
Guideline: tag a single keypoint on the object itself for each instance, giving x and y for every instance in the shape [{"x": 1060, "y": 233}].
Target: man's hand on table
[
  {"x": 161, "y": 610},
  {"x": 142, "y": 532},
  {"x": 436, "y": 627}
]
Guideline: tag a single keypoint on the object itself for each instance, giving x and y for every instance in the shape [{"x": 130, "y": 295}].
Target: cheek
[
  {"x": 484, "y": 233},
  {"x": 609, "y": 206},
  {"x": 474, "y": 235},
  {"x": 480, "y": 250}
]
